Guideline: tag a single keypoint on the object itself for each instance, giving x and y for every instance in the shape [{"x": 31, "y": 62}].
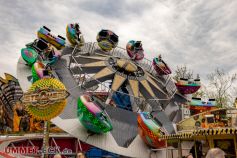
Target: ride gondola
[
  {"x": 74, "y": 35},
  {"x": 188, "y": 86},
  {"x": 197, "y": 105},
  {"x": 160, "y": 66},
  {"x": 51, "y": 55},
  {"x": 91, "y": 116},
  {"x": 107, "y": 40},
  {"x": 58, "y": 42},
  {"x": 150, "y": 131},
  {"x": 40, "y": 50},
  {"x": 135, "y": 50},
  {"x": 40, "y": 70}
]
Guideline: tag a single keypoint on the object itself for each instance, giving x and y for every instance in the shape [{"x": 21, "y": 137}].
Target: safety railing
[{"x": 146, "y": 64}]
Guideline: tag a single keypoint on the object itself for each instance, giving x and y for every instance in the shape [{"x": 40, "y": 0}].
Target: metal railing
[{"x": 146, "y": 64}]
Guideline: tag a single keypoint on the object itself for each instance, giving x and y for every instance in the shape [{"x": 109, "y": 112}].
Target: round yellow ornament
[{"x": 46, "y": 98}]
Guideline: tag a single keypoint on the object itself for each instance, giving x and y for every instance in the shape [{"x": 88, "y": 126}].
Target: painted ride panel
[
  {"x": 74, "y": 35},
  {"x": 197, "y": 105},
  {"x": 199, "y": 102},
  {"x": 39, "y": 45},
  {"x": 44, "y": 33},
  {"x": 160, "y": 66},
  {"x": 29, "y": 55},
  {"x": 39, "y": 71},
  {"x": 92, "y": 117},
  {"x": 216, "y": 118},
  {"x": 186, "y": 86},
  {"x": 107, "y": 40},
  {"x": 51, "y": 55},
  {"x": 150, "y": 131},
  {"x": 44, "y": 51},
  {"x": 135, "y": 50}
]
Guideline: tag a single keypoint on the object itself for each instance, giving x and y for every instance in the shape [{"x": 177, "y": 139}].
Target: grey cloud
[
  {"x": 200, "y": 34},
  {"x": 116, "y": 9}
]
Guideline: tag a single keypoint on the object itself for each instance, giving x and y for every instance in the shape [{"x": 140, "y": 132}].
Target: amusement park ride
[{"x": 119, "y": 101}]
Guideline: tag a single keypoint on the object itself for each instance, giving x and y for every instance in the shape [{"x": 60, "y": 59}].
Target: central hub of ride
[{"x": 127, "y": 65}]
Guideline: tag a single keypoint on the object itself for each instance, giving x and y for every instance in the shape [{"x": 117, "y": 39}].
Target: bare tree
[
  {"x": 220, "y": 87},
  {"x": 183, "y": 72},
  {"x": 201, "y": 93}
]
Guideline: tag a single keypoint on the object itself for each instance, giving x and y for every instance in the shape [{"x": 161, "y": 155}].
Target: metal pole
[
  {"x": 195, "y": 147},
  {"x": 182, "y": 106},
  {"x": 179, "y": 149},
  {"x": 109, "y": 98},
  {"x": 46, "y": 139},
  {"x": 79, "y": 144},
  {"x": 70, "y": 61},
  {"x": 166, "y": 144}
]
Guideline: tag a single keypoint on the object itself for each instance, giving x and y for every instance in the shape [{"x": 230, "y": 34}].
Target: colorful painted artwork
[
  {"x": 58, "y": 42},
  {"x": 160, "y": 66},
  {"x": 197, "y": 105},
  {"x": 51, "y": 55},
  {"x": 150, "y": 131},
  {"x": 39, "y": 71},
  {"x": 135, "y": 50},
  {"x": 200, "y": 102},
  {"x": 187, "y": 86},
  {"x": 208, "y": 119},
  {"x": 91, "y": 116},
  {"x": 74, "y": 35},
  {"x": 107, "y": 40},
  {"x": 13, "y": 116},
  {"x": 29, "y": 55},
  {"x": 45, "y": 99}
]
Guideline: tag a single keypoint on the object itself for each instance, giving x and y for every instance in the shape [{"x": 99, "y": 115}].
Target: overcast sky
[{"x": 199, "y": 33}]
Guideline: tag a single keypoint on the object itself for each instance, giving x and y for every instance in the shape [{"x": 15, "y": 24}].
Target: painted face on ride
[{"x": 29, "y": 55}]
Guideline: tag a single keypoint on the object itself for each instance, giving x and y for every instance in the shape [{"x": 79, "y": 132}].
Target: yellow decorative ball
[{"x": 46, "y": 98}]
